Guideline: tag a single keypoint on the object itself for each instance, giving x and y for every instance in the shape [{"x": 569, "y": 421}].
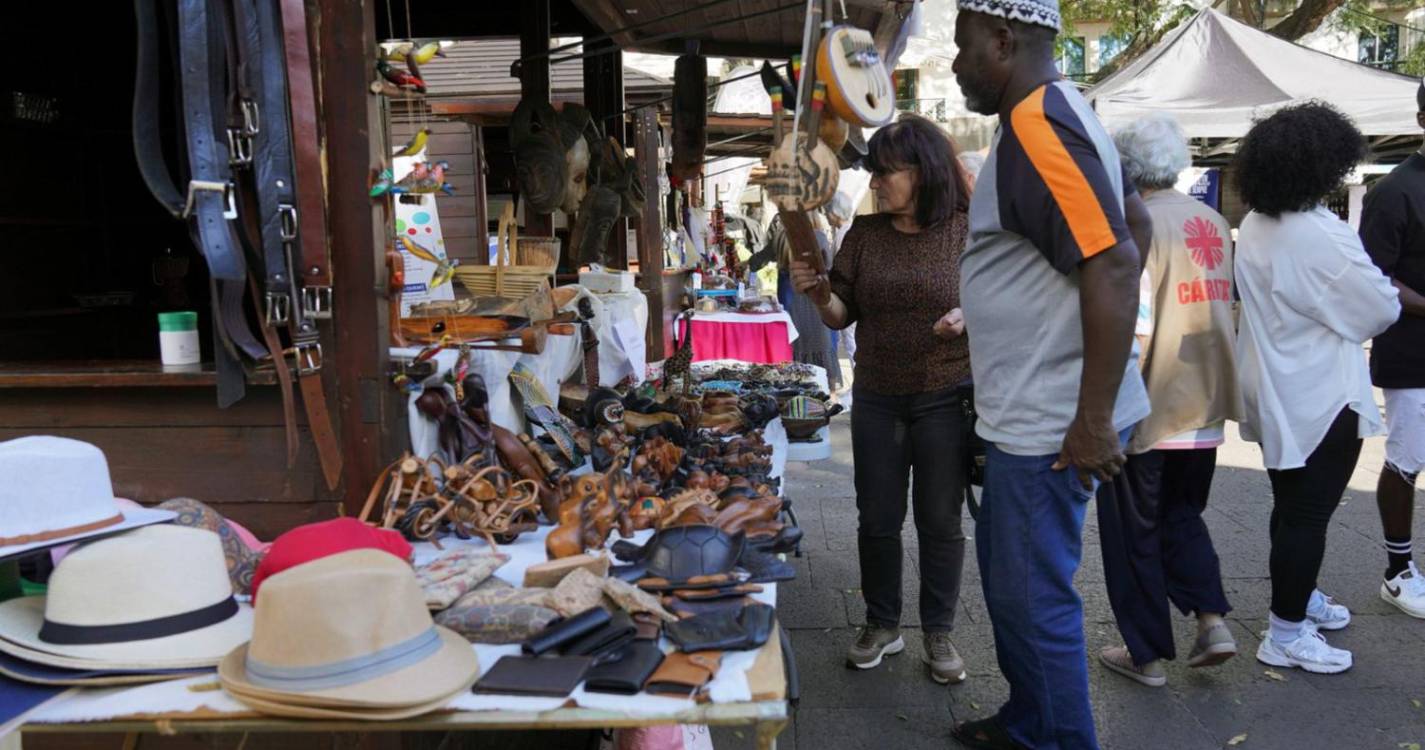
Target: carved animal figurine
[
  {"x": 566, "y": 540},
  {"x": 740, "y": 514},
  {"x": 645, "y": 512},
  {"x": 414, "y": 146},
  {"x": 680, "y": 362}
]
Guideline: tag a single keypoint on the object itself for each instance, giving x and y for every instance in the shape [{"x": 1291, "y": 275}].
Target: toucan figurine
[
  {"x": 414, "y": 146},
  {"x": 401, "y": 78},
  {"x": 444, "y": 269}
]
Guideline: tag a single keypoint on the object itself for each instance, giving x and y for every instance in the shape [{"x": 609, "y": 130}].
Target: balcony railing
[{"x": 931, "y": 109}]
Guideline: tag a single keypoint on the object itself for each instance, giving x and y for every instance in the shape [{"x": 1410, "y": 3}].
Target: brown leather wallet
[{"x": 684, "y": 674}]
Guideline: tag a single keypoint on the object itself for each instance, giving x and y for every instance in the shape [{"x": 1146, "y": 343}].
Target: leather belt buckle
[
  {"x": 287, "y": 215},
  {"x": 278, "y": 309},
  {"x": 306, "y": 358},
  {"x": 317, "y": 302},
  {"x": 240, "y": 138},
  {"x": 226, "y": 188}
]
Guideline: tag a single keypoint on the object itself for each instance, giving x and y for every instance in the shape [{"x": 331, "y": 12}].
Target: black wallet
[
  {"x": 617, "y": 632},
  {"x": 552, "y": 676},
  {"x": 626, "y": 674},
  {"x": 727, "y": 630},
  {"x": 565, "y": 631}
]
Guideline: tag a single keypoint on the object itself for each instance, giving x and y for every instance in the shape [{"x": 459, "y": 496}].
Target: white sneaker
[
  {"x": 1309, "y": 652},
  {"x": 1325, "y": 614},
  {"x": 1406, "y": 591}
]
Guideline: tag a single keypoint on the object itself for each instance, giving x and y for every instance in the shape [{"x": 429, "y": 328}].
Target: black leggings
[
  {"x": 1303, "y": 501},
  {"x": 893, "y": 437}
]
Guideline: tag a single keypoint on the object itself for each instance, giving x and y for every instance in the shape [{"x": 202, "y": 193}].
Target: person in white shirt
[{"x": 1310, "y": 298}]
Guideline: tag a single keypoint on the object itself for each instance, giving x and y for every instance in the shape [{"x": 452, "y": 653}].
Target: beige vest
[{"x": 1188, "y": 364}]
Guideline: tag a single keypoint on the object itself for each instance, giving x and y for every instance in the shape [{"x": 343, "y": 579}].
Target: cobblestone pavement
[{"x": 1380, "y": 703}]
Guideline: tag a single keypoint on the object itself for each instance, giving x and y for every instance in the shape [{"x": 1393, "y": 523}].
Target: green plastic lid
[{"x": 178, "y": 321}]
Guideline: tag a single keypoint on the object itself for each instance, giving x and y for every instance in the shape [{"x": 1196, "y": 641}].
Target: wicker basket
[{"x": 537, "y": 259}]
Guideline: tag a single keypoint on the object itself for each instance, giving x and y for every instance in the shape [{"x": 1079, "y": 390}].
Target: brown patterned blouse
[{"x": 895, "y": 286}]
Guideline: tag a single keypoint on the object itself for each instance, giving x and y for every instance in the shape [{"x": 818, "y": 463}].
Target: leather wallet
[
  {"x": 552, "y": 676},
  {"x": 727, "y": 630},
  {"x": 626, "y": 675},
  {"x": 683, "y": 674},
  {"x": 565, "y": 631},
  {"x": 616, "y": 633}
]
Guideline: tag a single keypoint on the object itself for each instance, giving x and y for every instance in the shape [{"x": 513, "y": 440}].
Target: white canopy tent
[{"x": 1215, "y": 75}]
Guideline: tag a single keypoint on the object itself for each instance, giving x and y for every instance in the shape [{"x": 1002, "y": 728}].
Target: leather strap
[
  {"x": 315, "y": 266},
  {"x": 272, "y": 162}
]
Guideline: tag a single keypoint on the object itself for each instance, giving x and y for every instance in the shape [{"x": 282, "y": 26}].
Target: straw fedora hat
[
  {"x": 349, "y": 631},
  {"x": 314, "y": 712},
  {"x": 158, "y": 597},
  {"x": 57, "y": 491}
]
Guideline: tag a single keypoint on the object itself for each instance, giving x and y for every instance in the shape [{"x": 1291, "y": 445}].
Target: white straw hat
[
  {"x": 348, "y": 631},
  {"x": 57, "y": 491},
  {"x": 152, "y": 598}
]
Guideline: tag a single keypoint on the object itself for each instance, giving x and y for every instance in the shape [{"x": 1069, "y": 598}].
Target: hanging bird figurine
[
  {"x": 414, "y": 146},
  {"x": 382, "y": 185},
  {"x": 444, "y": 269},
  {"x": 401, "y": 78},
  {"x": 414, "y": 180}
]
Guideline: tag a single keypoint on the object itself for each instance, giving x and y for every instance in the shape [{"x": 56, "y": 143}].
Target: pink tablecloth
[{"x": 760, "y": 343}]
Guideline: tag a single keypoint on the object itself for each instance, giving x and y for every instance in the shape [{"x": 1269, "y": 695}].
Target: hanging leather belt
[
  {"x": 315, "y": 266},
  {"x": 235, "y": 63}
]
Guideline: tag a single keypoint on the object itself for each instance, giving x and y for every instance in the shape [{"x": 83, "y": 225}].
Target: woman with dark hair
[
  {"x": 1310, "y": 299},
  {"x": 897, "y": 277}
]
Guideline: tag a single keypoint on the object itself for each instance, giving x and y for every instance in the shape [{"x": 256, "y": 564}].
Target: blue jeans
[{"x": 1029, "y": 540}]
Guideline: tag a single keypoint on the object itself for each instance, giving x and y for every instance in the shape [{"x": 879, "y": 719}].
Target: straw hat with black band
[
  {"x": 348, "y": 636},
  {"x": 158, "y": 597}
]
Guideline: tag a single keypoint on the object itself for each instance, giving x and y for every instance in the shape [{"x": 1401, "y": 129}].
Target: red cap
[{"x": 323, "y": 539}]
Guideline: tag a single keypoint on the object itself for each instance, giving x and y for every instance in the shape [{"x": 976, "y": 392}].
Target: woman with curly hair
[{"x": 1310, "y": 298}]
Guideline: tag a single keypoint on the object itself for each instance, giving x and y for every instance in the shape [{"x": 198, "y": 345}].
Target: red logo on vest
[{"x": 1204, "y": 242}]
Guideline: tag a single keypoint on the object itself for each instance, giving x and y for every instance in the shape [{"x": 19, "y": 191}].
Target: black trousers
[
  {"x": 1302, "y": 503},
  {"x": 1156, "y": 547},
  {"x": 891, "y": 437}
]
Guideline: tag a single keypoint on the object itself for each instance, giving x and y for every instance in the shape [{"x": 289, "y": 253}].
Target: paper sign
[{"x": 629, "y": 340}]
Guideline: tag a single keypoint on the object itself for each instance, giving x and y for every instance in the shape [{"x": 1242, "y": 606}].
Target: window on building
[
  {"x": 907, "y": 82},
  {"x": 1071, "y": 57},
  {"x": 1111, "y": 46},
  {"x": 1380, "y": 49}
]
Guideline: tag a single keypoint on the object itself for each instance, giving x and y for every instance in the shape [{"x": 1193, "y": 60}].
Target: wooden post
[
  {"x": 650, "y": 228},
  {"x": 351, "y": 121},
  {"x": 603, "y": 95},
  {"x": 534, "y": 83},
  {"x": 482, "y": 197}
]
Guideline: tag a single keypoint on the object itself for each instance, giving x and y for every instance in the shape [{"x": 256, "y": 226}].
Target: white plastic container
[{"x": 178, "y": 338}]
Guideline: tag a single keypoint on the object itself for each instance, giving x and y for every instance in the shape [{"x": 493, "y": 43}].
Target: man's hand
[
  {"x": 809, "y": 282},
  {"x": 951, "y": 325},
  {"x": 1091, "y": 447}
]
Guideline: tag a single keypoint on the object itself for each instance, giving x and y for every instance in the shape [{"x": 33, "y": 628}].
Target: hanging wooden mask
[
  {"x": 541, "y": 167},
  {"x": 690, "y": 115},
  {"x": 577, "y": 127}
]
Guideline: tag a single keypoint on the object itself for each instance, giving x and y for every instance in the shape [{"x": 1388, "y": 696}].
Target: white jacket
[{"x": 1310, "y": 298}]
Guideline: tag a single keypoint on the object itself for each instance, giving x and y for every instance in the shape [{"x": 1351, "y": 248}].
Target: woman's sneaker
[
  {"x": 1324, "y": 613},
  {"x": 1406, "y": 591},
  {"x": 1118, "y": 659},
  {"x": 1309, "y": 652},
  {"x": 1213, "y": 647},
  {"x": 874, "y": 643},
  {"x": 944, "y": 661}
]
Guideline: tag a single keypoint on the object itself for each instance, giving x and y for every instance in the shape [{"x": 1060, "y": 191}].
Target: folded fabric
[
  {"x": 683, "y": 674},
  {"x": 728, "y": 630},
  {"x": 578, "y": 592},
  {"x": 618, "y": 632},
  {"x": 635, "y": 600},
  {"x": 565, "y": 631},
  {"x": 496, "y": 623},
  {"x": 553, "y": 676},
  {"x": 626, "y": 674},
  {"x": 453, "y": 574},
  {"x": 549, "y": 574}
]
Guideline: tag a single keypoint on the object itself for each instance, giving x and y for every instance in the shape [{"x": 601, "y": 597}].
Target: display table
[{"x": 764, "y": 338}]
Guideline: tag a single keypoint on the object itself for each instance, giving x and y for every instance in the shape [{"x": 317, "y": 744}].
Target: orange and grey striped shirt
[{"x": 1050, "y": 196}]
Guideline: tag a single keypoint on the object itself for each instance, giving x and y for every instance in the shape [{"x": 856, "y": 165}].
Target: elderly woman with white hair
[{"x": 1156, "y": 548}]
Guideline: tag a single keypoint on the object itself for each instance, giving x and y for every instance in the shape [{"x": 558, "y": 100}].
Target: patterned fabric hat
[{"x": 1037, "y": 12}]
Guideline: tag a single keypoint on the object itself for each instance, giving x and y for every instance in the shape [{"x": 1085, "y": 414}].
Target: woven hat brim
[
  {"x": 275, "y": 708},
  {"x": 449, "y": 670},
  {"x": 24, "y": 670},
  {"x": 133, "y": 519},
  {"x": 21, "y": 619}
]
